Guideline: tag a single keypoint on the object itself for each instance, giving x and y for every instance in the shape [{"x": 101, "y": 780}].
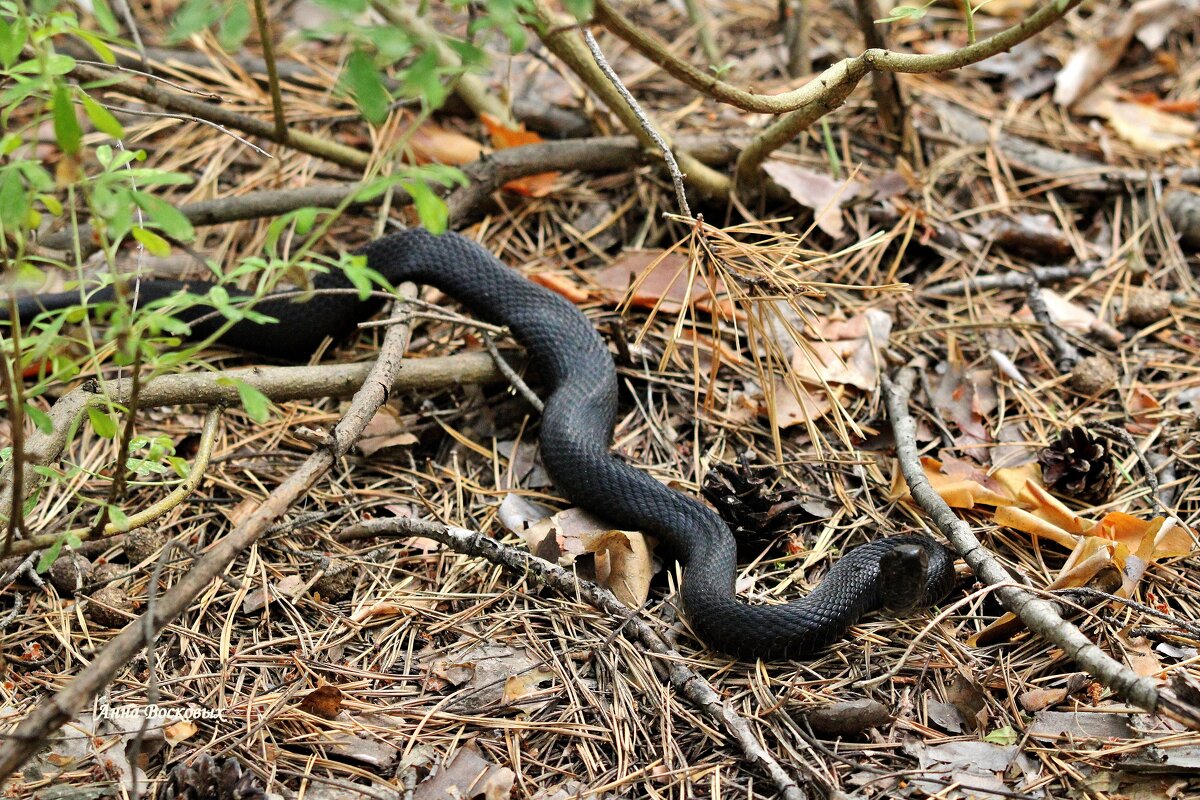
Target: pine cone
[
  {"x": 743, "y": 496},
  {"x": 1079, "y": 464},
  {"x": 202, "y": 780}
]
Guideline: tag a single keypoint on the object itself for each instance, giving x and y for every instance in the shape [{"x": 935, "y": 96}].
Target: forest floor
[{"x": 752, "y": 358}]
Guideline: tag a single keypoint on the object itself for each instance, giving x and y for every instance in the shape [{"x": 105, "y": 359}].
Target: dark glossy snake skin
[{"x": 902, "y": 573}]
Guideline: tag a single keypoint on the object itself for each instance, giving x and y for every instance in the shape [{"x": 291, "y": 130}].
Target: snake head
[{"x": 903, "y": 572}]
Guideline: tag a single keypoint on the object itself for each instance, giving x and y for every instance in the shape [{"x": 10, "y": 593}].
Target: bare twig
[
  {"x": 688, "y": 682},
  {"x": 1010, "y": 280},
  {"x": 268, "y": 47},
  {"x": 1066, "y": 353},
  {"x": 672, "y": 166},
  {"x": 644, "y": 121},
  {"x": 185, "y": 104},
  {"x": 487, "y": 175},
  {"x": 697, "y": 11},
  {"x": 1039, "y": 615},
  {"x": 513, "y": 378},
  {"x": 823, "y": 85}
]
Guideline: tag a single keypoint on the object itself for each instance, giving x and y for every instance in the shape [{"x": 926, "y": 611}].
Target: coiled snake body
[{"x": 900, "y": 573}]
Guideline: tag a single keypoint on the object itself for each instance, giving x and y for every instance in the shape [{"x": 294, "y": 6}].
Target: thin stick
[
  {"x": 513, "y": 378},
  {"x": 672, "y": 166},
  {"x": 268, "y": 47},
  {"x": 1066, "y": 353}
]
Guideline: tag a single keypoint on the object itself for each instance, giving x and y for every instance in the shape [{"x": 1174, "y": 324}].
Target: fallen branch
[
  {"x": 279, "y": 384},
  {"x": 487, "y": 175},
  {"x": 657, "y": 51},
  {"x": 1040, "y": 616},
  {"x": 561, "y": 37},
  {"x": 686, "y": 681},
  {"x": 1011, "y": 280},
  {"x": 54, "y": 712},
  {"x": 1066, "y": 354},
  {"x": 643, "y": 120}
]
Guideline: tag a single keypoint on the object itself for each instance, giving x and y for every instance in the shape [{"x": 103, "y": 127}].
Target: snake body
[{"x": 901, "y": 573}]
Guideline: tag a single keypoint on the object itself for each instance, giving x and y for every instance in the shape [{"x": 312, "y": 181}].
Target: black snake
[{"x": 901, "y": 573}]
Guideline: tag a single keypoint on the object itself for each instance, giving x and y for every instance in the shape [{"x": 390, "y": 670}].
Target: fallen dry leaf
[
  {"x": 659, "y": 279},
  {"x": 960, "y": 483},
  {"x": 434, "y": 143},
  {"x": 467, "y": 776},
  {"x": 1148, "y": 129},
  {"x": 561, "y": 285},
  {"x": 324, "y": 701},
  {"x": 795, "y": 403},
  {"x": 824, "y": 195},
  {"x": 488, "y": 675},
  {"x": 180, "y": 731},
  {"x": 503, "y": 137},
  {"x": 384, "y": 431},
  {"x": 622, "y": 559},
  {"x": 1088, "y": 65},
  {"x": 844, "y": 351}
]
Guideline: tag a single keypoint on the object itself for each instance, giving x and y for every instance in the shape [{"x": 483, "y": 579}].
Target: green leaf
[
  {"x": 580, "y": 9},
  {"x": 104, "y": 17},
  {"x": 40, "y": 418},
  {"x": 52, "y": 204},
  {"x": 903, "y": 14},
  {"x": 431, "y": 209},
  {"x": 165, "y": 215},
  {"x": 102, "y": 118},
  {"x": 14, "y": 201},
  {"x": 99, "y": 45},
  {"x": 422, "y": 80},
  {"x": 12, "y": 39},
  {"x": 192, "y": 17},
  {"x": 155, "y": 245},
  {"x": 369, "y": 92},
  {"x": 1003, "y": 736},
  {"x": 67, "y": 132},
  {"x": 256, "y": 404},
  {"x": 117, "y": 517},
  {"x": 49, "y": 556},
  {"x": 104, "y": 425},
  {"x": 236, "y": 26}
]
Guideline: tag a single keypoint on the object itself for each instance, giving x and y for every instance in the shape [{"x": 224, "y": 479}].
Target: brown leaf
[
  {"x": 467, "y": 776},
  {"x": 385, "y": 430},
  {"x": 622, "y": 560},
  {"x": 503, "y": 137},
  {"x": 824, "y": 195},
  {"x": 324, "y": 701},
  {"x": 489, "y": 674},
  {"x": 433, "y": 143},
  {"x": 179, "y": 731},
  {"x": 658, "y": 279}
]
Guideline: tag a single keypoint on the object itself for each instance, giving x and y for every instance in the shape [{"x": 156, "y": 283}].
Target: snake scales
[{"x": 901, "y": 573}]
